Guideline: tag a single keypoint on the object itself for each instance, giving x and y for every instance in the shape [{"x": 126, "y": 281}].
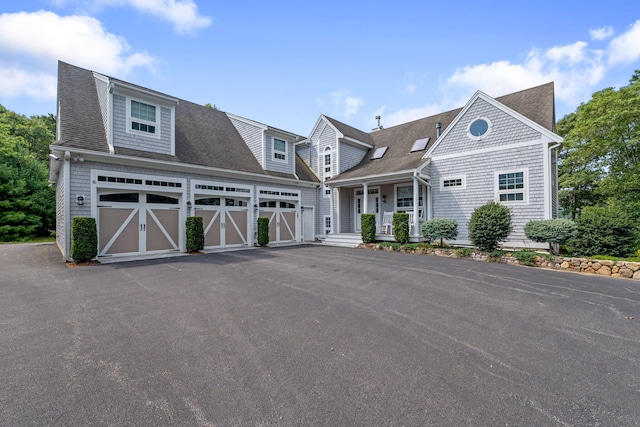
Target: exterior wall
[
  {"x": 480, "y": 186},
  {"x": 102, "y": 90},
  {"x": 304, "y": 151},
  {"x": 152, "y": 144},
  {"x": 279, "y": 166},
  {"x": 505, "y": 130},
  {"x": 61, "y": 230},
  {"x": 328, "y": 137},
  {"x": 346, "y": 214},
  {"x": 252, "y": 136},
  {"x": 350, "y": 156}
]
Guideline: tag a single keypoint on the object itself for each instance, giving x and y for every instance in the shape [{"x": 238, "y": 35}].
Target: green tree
[
  {"x": 38, "y": 132},
  {"x": 26, "y": 202},
  {"x": 600, "y": 160}
]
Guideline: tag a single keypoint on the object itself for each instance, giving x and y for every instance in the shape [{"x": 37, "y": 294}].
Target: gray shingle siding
[
  {"x": 479, "y": 172},
  {"x": 277, "y": 166},
  {"x": 326, "y": 138},
  {"x": 350, "y": 156},
  {"x": 252, "y": 136},
  {"x": 61, "y": 234},
  {"x": 505, "y": 130},
  {"x": 121, "y": 138},
  {"x": 346, "y": 210}
]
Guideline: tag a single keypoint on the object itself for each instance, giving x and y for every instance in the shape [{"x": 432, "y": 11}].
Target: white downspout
[{"x": 67, "y": 206}]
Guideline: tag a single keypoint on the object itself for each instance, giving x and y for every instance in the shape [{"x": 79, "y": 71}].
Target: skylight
[
  {"x": 420, "y": 144},
  {"x": 379, "y": 153}
]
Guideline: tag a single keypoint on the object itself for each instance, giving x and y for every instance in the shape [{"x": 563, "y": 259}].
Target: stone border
[{"x": 623, "y": 269}]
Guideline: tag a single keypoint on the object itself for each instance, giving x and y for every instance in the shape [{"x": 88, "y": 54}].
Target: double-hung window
[
  {"x": 512, "y": 186},
  {"x": 404, "y": 197},
  {"x": 279, "y": 149},
  {"x": 327, "y": 162},
  {"x": 143, "y": 117}
]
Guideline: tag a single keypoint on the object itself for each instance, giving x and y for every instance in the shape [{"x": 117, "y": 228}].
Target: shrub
[
  {"x": 605, "y": 230},
  {"x": 84, "y": 234},
  {"x": 526, "y": 257},
  {"x": 434, "y": 229},
  {"x": 495, "y": 255},
  {"x": 195, "y": 234},
  {"x": 401, "y": 227},
  {"x": 263, "y": 231},
  {"x": 368, "y": 227},
  {"x": 489, "y": 225},
  {"x": 464, "y": 252},
  {"x": 554, "y": 231},
  {"x": 411, "y": 247}
]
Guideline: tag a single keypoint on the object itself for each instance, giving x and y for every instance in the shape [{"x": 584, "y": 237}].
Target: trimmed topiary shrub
[
  {"x": 401, "y": 227},
  {"x": 84, "y": 235},
  {"x": 439, "y": 228},
  {"x": 368, "y": 227},
  {"x": 489, "y": 225},
  {"x": 554, "y": 231},
  {"x": 195, "y": 234},
  {"x": 605, "y": 230},
  {"x": 263, "y": 231}
]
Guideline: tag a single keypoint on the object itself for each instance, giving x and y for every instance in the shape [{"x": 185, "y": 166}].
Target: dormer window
[
  {"x": 279, "y": 149},
  {"x": 143, "y": 117}
]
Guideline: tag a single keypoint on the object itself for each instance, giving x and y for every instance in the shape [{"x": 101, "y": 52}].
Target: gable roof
[
  {"x": 350, "y": 131},
  {"x": 536, "y": 104},
  {"x": 203, "y": 136}
]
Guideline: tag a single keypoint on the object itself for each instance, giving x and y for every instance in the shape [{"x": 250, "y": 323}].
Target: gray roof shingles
[
  {"x": 203, "y": 136},
  {"x": 536, "y": 103}
]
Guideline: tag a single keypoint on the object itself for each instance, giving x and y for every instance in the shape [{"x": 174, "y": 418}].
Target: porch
[{"x": 352, "y": 240}]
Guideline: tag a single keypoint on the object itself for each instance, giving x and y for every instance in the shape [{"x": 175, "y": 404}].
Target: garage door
[
  {"x": 132, "y": 223},
  {"x": 226, "y": 221},
  {"x": 282, "y": 220}
]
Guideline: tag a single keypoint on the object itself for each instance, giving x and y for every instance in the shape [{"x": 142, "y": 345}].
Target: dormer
[
  {"x": 272, "y": 147},
  {"x": 136, "y": 118}
]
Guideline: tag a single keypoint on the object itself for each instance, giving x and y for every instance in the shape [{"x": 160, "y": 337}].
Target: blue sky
[{"x": 286, "y": 62}]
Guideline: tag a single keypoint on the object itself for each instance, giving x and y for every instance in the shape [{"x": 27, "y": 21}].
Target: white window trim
[
  {"x": 324, "y": 191},
  {"x": 478, "y": 138},
  {"x": 130, "y": 119},
  {"x": 327, "y": 230},
  {"x": 450, "y": 178},
  {"x": 274, "y": 151},
  {"x": 525, "y": 190},
  {"x": 324, "y": 153},
  {"x": 395, "y": 197}
]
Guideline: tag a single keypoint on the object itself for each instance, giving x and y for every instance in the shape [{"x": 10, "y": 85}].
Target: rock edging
[{"x": 623, "y": 269}]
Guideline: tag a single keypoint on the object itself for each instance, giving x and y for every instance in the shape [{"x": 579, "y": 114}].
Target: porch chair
[
  {"x": 410, "y": 222},
  {"x": 387, "y": 223}
]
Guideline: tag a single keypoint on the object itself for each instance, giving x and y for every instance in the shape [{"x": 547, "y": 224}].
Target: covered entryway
[
  {"x": 135, "y": 223},
  {"x": 282, "y": 208},
  {"x": 373, "y": 204}
]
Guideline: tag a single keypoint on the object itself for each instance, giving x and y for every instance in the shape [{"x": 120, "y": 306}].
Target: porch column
[
  {"x": 331, "y": 214},
  {"x": 416, "y": 208},
  {"x": 337, "y": 228},
  {"x": 365, "y": 198}
]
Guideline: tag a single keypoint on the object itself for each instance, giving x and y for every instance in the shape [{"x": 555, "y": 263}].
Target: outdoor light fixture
[
  {"x": 189, "y": 204},
  {"x": 384, "y": 199},
  {"x": 80, "y": 200}
]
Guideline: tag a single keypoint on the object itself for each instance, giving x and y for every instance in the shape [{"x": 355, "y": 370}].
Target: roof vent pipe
[
  {"x": 438, "y": 129},
  {"x": 379, "y": 125}
]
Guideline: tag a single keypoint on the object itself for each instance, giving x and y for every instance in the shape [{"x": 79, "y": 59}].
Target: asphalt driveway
[{"x": 313, "y": 335}]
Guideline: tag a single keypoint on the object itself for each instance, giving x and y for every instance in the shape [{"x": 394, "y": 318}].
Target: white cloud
[
  {"x": 348, "y": 105},
  {"x": 80, "y": 40},
  {"x": 576, "y": 69},
  {"x": 411, "y": 88},
  {"x": 625, "y": 48},
  {"x": 602, "y": 33},
  {"x": 182, "y": 14}
]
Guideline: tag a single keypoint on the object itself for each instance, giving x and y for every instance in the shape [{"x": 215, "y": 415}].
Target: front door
[{"x": 373, "y": 206}]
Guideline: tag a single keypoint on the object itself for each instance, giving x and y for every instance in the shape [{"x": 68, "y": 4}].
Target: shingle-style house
[
  {"x": 443, "y": 166},
  {"x": 140, "y": 162}
]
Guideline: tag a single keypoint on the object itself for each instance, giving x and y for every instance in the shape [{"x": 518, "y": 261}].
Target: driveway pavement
[{"x": 313, "y": 335}]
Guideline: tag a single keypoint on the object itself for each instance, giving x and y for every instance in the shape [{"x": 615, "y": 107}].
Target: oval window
[{"x": 479, "y": 127}]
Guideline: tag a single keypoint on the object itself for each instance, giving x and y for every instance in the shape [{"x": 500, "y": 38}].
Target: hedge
[
  {"x": 84, "y": 234},
  {"x": 401, "y": 227},
  {"x": 368, "y": 227},
  {"x": 489, "y": 225},
  {"x": 195, "y": 234},
  {"x": 263, "y": 231}
]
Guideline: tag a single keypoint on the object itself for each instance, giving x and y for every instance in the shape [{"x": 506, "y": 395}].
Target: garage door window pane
[
  {"x": 210, "y": 201},
  {"x": 120, "y": 198},
  {"x": 157, "y": 198}
]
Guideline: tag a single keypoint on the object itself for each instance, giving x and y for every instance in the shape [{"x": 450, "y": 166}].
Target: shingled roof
[
  {"x": 537, "y": 104},
  {"x": 203, "y": 136}
]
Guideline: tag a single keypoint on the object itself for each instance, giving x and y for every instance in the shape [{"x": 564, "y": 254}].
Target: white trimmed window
[
  {"x": 328, "y": 161},
  {"x": 143, "y": 118},
  {"x": 404, "y": 197},
  {"x": 511, "y": 187},
  {"x": 327, "y": 191},
  {"x": 453, "y": 182},
  {"x": 327, "y": 224},
  {"x": 279, "y": 149}
]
